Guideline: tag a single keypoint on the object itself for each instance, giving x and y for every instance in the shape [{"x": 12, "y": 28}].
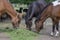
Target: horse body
[
  {"x": 54, "y": 13},
  {"x": 1, "y": 7},
  {"x": 6, "y": 6},
  {"x": 57, "y": 13},
  {"x": 33, "y": 11}
]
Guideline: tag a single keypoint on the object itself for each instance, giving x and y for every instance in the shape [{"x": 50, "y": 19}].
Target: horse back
[
  {"x": 56, "y": 11},
  {"x": 1, "y": 5}
]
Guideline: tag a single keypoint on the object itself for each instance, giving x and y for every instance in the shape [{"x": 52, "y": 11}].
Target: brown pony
[
  {"x": 54, "y": 13},
  {"x": 5, "y": 6}
]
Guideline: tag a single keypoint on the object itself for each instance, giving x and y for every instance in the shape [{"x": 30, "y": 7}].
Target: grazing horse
[
  {"x": 5, "y": 6},
  {"x": 54, "y": 13},
  {"x": 33, "y": 11}
]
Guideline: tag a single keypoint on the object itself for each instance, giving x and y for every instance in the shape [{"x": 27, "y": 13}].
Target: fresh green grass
[
  {"x": 17, "y": 34},
  {"x": 21, "y": 34}
]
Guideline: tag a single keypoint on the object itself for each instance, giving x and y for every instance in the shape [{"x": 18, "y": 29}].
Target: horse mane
[
  {"x": 28, "y": 11},
  {"x": 38, "y": 18}
]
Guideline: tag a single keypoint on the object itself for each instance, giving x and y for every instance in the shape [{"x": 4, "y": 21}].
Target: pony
[
  {"x": 49, "y": 11},
  {"x": 34, "y": 10},
  {"x": 5, "y": 6}
]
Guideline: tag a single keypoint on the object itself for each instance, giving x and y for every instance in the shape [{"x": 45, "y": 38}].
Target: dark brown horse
[
  {"x": 34, "y": 10},
  {"x": 5, "y": 6},
  {"x": 54, "y": 13}
]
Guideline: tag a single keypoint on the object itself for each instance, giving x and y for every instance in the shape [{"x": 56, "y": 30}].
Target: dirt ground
[
  {"x": 3, "y": 35},
  {"x": 43, "y": 35},
  {"x": 3, "y": 25}
]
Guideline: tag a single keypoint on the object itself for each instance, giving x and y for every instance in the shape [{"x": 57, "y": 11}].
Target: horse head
[
  {"x": 16, "y": 20},
  {"x": 45, "y": 13}
]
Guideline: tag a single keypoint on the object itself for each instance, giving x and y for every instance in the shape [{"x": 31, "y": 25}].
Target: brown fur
[
  {"x": 51, "y": 11},
  {"x": 6, "y": 6}
]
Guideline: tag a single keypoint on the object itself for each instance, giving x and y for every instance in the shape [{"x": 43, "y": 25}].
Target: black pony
[{"x": 34, "y": 10}]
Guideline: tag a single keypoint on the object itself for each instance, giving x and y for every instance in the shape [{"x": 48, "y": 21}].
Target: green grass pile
[{"x": 22, "y": 34}]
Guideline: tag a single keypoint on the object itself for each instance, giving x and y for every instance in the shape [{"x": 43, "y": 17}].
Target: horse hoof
[
  {"x": 57, "y": 34},
  {"x": 52, "y": 34}
]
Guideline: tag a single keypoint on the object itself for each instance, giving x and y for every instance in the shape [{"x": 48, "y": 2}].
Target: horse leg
[
  {"x": 57, "y": 28},
  {"x": 55, "y": 25},
  {"x": 1, "y": 20},
  {"x": 53, "y": 28}
]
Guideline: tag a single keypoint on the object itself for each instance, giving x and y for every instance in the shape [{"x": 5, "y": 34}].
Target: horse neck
[
  {"x": 9, "y": 9},
  {"x": 43, "y": 17},
  {"x": 12, "y": 14},
  {"x": 46, "y": 13}
]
